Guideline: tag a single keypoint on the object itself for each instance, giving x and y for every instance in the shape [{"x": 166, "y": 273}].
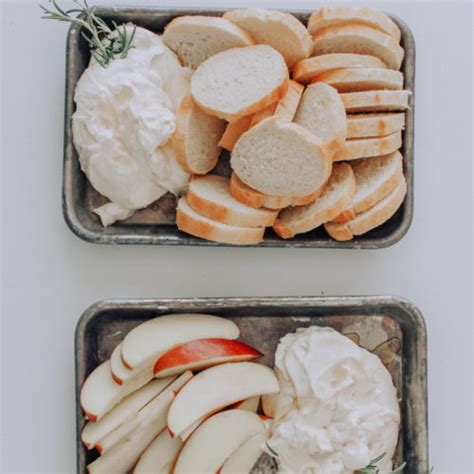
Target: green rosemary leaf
[{"x": 272, "y": 451}]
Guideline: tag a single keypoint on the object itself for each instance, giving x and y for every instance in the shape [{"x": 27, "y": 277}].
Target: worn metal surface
[
  {"x": 155, "y": 225},
  {"x": 388, "y": 326}
]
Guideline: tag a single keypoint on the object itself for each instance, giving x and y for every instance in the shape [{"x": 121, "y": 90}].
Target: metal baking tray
[
  {"x": 389, "y": 326},
  {"x": 155, "y": 224}
]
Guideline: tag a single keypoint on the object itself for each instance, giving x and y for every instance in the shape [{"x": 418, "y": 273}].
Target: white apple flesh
[
  {"x": 124, "y": 455},
  {"x": 250, "y": 404},
  {"x": 245, "y": 457},
  {"x": 100, "y": 393},
  {"x": 144, "y": 344},
  {"x": 160, "y": 455},
  {"x": 122, "y": 374},
  {"x": 216, "y": 439},
  {"x": 216, "y": 388},
  {"x": 122, "y": 412}
]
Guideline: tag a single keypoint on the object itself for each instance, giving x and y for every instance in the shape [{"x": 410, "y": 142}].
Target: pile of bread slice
[{"x": 312, "y": 116}]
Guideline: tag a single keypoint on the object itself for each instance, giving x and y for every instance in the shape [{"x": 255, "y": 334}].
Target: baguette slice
[
  {"x": 376, "y": 178},
  {"x": 374, "y": 125},
  {"x": 307, "y": 70},
  {"x": 240, "y": 81},
  {"x": 210, "y": 196},
  {"x": 366, "y": 147},
  {"x": 281, "y": 159},
  {"x": 196, "y": 38},
  {"x": 285, "y": 109},
  {"x": 322, "y": 113},
  {"x": 279, "y": 30},
  {"x": 339, "y": 16},
  {"x": 196, "y": 138},
  {"x": 359, "y": 39},
  {"x": 374, "y": 217},
  {"x": 336, "y": 197},
  {"x": 191, "y": 222},
  {"x": 362, "y": 79},
  {"x": 253, "y": 198},
  {"x": 376, "y": 101}
]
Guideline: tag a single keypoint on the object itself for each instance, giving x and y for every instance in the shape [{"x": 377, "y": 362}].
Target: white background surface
[{"x": 50, "y": 277}]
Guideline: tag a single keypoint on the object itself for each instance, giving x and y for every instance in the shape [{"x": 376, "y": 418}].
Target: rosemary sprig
[
  {"x": 106, "y": 44},
  {"x": 273, "y": 453},
  {"x": 373, "y": 469}
]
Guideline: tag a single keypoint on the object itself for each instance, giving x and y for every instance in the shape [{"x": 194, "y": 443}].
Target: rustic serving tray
[
  {"x": 155, "y": 224},
  {"x": 390, "y": 327}
]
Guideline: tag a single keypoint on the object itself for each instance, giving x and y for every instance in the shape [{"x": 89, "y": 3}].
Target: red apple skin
[
  {"x": 92, "y": 418},
  {"x": 124, "y": 362},
  {"x": 116, "y": 379},
  {"x": 204, "y": 350}
]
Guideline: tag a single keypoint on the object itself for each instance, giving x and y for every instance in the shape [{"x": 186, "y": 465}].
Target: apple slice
[
  {"x": 159, "y": 456},
  {"x": 100, "y": 393},
  {"x": 244, "y": 458},
  {"x": 122, "y": 412},
  {"x": 121, "y": 458},
  {"x": 201, "y": 354},
  {"x": 250, "y": 404},
  {"x": 144, "y": 344},
  {"x": 277, "y": 405},
  {"x": 122, "y": 374},
  {"x": 216, "y": 388}
]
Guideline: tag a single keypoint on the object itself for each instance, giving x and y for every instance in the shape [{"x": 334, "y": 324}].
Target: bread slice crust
[
  {"x": 376, "y": 101},
  {"x": 367, "y": 147},
  {"x": 374, "y": 124}
]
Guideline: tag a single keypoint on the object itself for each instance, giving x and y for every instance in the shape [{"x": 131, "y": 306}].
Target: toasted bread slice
[
  {"x": 240, "y": 81},
  {"x": 253, "y": 198},
  {"x": 366, "y": 147},
  {"x": 362, "y": 79},
  {"x": 322, "y": 113},
  {"x": 308, "y": 70},
  {"x": 336, "y": 197},
  {"x": 281, "y": 159},
  {"x": 340, "y": 16},
  {"x": 279, "y": 30},
  {"x": 196, "y": 138},
  {"x": 285, "y": 109},
  {"x": 196, "y": 38},
  {"x": 210, "y": 196},
  {"x": 376, "y": 178},
  {"x": 191, "y": 222},
  {"x": 359, "y": 39},
  {"x": 374, "y": 125},
  {"x": 374, "y": 217},
  {"x": 376, "y": 101}
]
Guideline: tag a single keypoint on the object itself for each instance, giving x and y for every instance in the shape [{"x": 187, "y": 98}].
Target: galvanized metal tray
[
  {"x": 389, "y": 326},
  {"x": 155, "y": 224}
]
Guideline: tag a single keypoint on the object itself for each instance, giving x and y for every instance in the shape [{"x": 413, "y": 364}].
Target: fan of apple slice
[
  {"x": 216, "y": 388},
  {"x": 144, "y": 344},
  {"x": 216, "y": 439},
  {"x": 201, "y": 354},
  {"x": 123, "y": 456}
]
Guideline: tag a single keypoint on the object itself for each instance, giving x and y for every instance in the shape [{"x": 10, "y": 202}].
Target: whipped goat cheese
[
  {"x": 337, "y": 409},
  {"x": 124, "y": 119}
]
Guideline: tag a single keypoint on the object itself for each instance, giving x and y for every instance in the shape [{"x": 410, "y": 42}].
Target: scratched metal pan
[
  {"x": 155, "y": 224},
  {"x": 390, "y": 327}
]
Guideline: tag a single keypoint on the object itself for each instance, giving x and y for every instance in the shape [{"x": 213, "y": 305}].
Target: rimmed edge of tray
[{"x": 405, "y": 313}]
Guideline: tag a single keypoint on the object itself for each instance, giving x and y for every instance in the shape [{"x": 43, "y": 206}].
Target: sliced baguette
[
  {"x": 196, "y": 138},
  {"x": 279, "y": 30},
  {"x": 285, "y": 109},
  {"x": 366, "y": 147},
  {"x": 336, "y": 197},
  {"x": 210, "y": 196},
  {"x": 253, "y": 198},
  {"x": 376, "y": 101},
  {"x": 309, "y": 69},
  {"x": 339, "y": 16},
  {"x": 374, "y": 125},
  {"x": 374, "y": 217},
  {"x": 281, "y": 159},
  {"x": 359, "y": 39},
  {"x": 376, "y": 178},
  {"x": 196, "y": 38},
  {"x": 240, "y": 81},
  {"x": 362, "y": 79},
  {"x": 322, "y": 113},
  {"x": 191, "y": 222}
]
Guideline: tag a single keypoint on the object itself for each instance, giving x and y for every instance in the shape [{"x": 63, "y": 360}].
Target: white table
[{"x": 50, "y": 277}]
